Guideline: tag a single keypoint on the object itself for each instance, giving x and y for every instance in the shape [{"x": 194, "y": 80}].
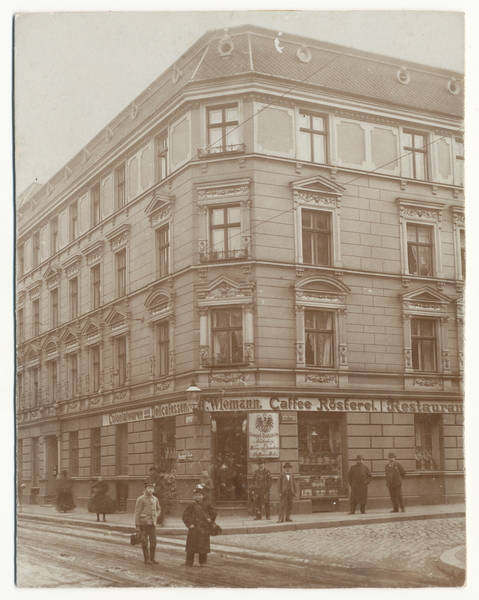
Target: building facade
[{"x": 285, "y": 229}]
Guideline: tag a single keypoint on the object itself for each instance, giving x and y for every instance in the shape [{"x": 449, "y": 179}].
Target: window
[
  {"x": 53, "y": 380},
  {"x": 34, "y": 386},
  {"x": 162, "y": 155},
  {"x": 319, "y": 334},
  {"x": 316, "y": 236},
  {"x": 120, "y": 182},
  {"x": 163, "y": 348},
  {"x": 225, "y": 233},
  {"x": 419, "y": 250},
  {"x": 54, "y": 307},
  {"x": 423, "y": 344},
  {"x": 73, "y": 297},
  {"x": 164, "y": 443},
  {"x": 20, "y": 326},
  {"x": 120, "y": 260},
  {"x": 462, "y": 244},
  {"x": 95, "y": 285},
  {"x": 21, "y": 260},
  {"x": 121, "y": 359},
  {"x": 36, "y": 249},
  {"x": 163, "y": 250},
  {"x": 73, "y": 216},
  {"x": 96, "y": 451},
  {"x": 95, "y": 205},
  {"x": 312, "y": 137},
  {"x": 72, "y": 375},
  {"x": 36, "y": 317},
  {"x": 414, "y": 160},
  {"x": 20, "y": 403},
  {"x": 122, "y": 449},
  {"x": 223, "y": 128},
  {"x": 74, "y": 453},
  {"x": 427, "y": 432},
  {"x": 459, "y": 161},
  {"x": 227, "y": 330},
  {"x": 95, "y": 369},
  {"x": 54, "y": 236}
]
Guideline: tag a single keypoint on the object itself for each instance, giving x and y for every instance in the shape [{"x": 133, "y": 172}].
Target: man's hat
[
  {"x": 286, "y": 465},
  {"x": 260, "y": 461},
  {"x": 149, "y": 482},
  {"x": 199, "y": 489},
  {"x": 359, "y": 457},
  {"x": 153, "y": 469},
  {"x": 391, "y": 455}
]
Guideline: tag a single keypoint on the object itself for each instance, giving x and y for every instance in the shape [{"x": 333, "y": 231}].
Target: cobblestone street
[{"x": 412, "y": 546}]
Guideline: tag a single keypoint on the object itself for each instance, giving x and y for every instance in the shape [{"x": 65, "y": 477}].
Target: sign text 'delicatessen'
[{"x": 168, "y": 409}]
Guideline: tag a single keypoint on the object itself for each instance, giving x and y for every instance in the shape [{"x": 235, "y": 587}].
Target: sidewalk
[{"x": 123, "y": 522}]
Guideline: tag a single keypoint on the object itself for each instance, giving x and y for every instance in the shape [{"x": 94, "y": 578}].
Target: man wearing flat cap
[
  {"x": 395, "y": 473},
  {"x": 287, "y": 491},
  {"x": 359, "y": 477},
  {"x": 261, "y": 488}
]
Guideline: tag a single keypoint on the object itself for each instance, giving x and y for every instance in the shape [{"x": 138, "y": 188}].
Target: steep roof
[{"x": 332, "y": 69}]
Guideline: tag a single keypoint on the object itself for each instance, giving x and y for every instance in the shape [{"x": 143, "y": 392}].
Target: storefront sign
[
  {"x": 263, "y": 435},
  {"x": 398, "y": 406},
  {"x": 185, "y": 456},
  {"x": 289, "y": 418},
  {"x": 168, "y": 409},
  {"x": 342, "y": 405}
]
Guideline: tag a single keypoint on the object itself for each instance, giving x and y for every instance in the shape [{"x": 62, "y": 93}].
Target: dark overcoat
[
  {"x": 395, "y": 473},
  {"x": 359, "y": 477},
  {"x": 101, "y": 501},
  {"x": 198, "y": 539}
]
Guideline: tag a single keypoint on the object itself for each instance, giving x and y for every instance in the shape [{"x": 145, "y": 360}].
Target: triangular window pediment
[
  {"x": 318, "y": 185},
  {"x": 91, "y": 329},
  {"x": 426, "y": 294},
  {"x": 69, "y": 338},
  {"x": 159, "y": 201},
  {"x": 31, "y": 354},
  {"x": 50, "y": 272}
]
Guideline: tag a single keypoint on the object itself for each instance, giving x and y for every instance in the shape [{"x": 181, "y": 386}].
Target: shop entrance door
[
  {"x": 230, "y": 461},
  {"x": 51, "y": 466}
]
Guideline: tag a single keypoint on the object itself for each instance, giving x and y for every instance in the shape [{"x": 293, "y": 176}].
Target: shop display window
[
  {"x": 164, "y": 444},
  {"x": 320, "y": 456}
]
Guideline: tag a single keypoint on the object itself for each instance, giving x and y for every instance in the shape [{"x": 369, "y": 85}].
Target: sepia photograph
[{"x": 239, "y": 299}]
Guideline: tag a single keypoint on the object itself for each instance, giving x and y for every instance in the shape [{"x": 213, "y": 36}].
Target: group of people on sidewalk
[{"x": 261, "y": 485}]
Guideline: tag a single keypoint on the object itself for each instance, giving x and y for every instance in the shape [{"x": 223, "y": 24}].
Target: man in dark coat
[
  {"x": 198, "y": 517},
  {"x": 359, "y": 477},
  {"x": 287, "y": 491},
  {"x": 395, "y": 473},
  {"x": 261, "y": 488},
  {"x": 64, "y": 493}
]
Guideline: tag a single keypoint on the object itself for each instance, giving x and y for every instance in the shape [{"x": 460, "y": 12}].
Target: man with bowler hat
[
  {"x": 261, "y": 487},
  {"x": 147, "y": 511},
  {"x": 359, "y": 477},
  {"x": 395, "y": 473},
  {"x": 287, "y": 491}
]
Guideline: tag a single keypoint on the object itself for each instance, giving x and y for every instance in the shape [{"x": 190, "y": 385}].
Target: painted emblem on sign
[{"x": 264, "y": 423}]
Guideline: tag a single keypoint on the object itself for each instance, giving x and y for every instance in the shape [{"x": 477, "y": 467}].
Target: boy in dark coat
[
  {"x": 197, "y": 517},
  {"x": 359, "y": 477},
  {"x": 395, "y": 473}
]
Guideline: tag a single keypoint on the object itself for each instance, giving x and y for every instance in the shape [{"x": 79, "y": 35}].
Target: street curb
[
  {"x": 448, "y": 563},
  {"x": 245, "y": 529}
]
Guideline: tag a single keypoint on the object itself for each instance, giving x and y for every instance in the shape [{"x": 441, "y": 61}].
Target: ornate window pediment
[
  {"x": 50, "y": 349},
  {"x": 32, "y": 354},
  {"x": 69, "y": 339},
  {"x": 159, "y": 209},
  {"x": 72, "y": 266},
  {"x": 52, "y": 276},
  {"x": 160, "y": 304},
  {"x": 94, "y": 252},
  {"x": 119, "y": 237},
  {"x": 317, "y": 190},
  {"x": 318, "y": 291},
  {"x": 224, "y": 290},
  {"x": 92, "y": 331},
  {"x": 117, "y": 319},
  {"x": 425, "y": 300},
  {"x": 35, "y": 289}
]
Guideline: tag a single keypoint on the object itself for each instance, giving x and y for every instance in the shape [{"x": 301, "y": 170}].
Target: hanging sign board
[{"x": 263, "y": 435}]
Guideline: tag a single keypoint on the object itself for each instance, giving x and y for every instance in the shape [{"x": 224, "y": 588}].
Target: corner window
[
  {"x": 73, "y": 284},
  {"x": 162, "y": 155},
  {"x": 73, "y": 218},
  {"x": 225, "y": 233},
  {"x": 223, "y": 128},
  {"x": 120, "y": 185},
  {"x": 414, "y": 159},
  {"x": 312, "y": 137},
  {"x": 54, "y": 236},
  {"x": 95, "y": 206},
  {"x": 54, "y": 307},
  {"x": 120, "y": 264},
  {"x": 163, "y": 250},
  {"x": 427, "y": 450},
  {"x": 227, "y": 335},
  {"x": 423, "y": 344},
  {"x": 316, "y": 237},
  {"x": 419, "y": 250},
  {"x": 319, "y": 336},
  {"x": 95, "y": 286}
]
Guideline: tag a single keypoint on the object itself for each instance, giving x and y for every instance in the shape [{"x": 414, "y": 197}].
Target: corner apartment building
[{"x": 284, "y": 228}]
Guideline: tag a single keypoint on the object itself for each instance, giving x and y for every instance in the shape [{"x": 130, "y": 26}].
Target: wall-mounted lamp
[{"x": 193, "y": 395}]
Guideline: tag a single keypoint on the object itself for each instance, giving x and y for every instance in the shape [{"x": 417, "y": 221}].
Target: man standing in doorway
[
  {"x": 395, "y": 473},
  {"x": 261, "y": 488},
  {"x": 287, "y": 491},
  {"x": 359, "y": 477}
]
